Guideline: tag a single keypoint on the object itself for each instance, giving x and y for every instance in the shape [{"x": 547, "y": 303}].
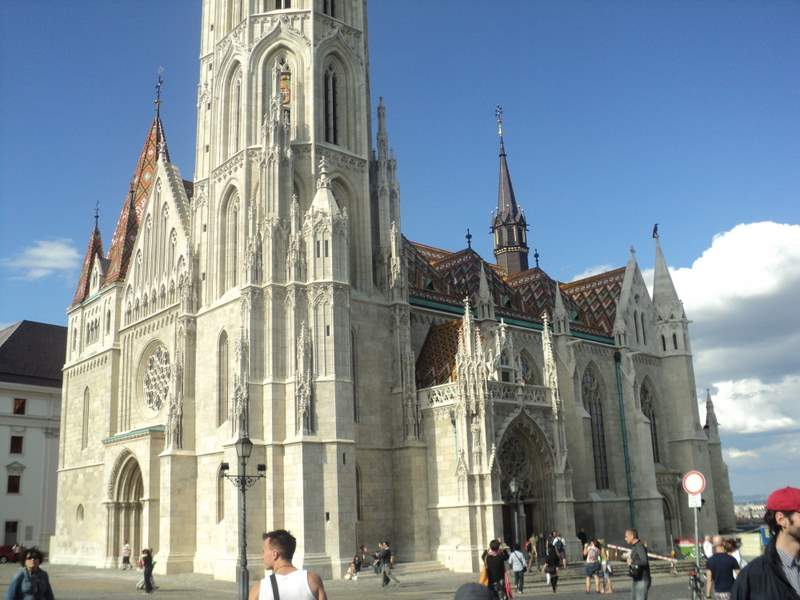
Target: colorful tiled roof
[
  {"x": 130, "y": 217},
  {"x": 447, "y": 277},
  {"x": 596, "y": 298},
  {"x": 93, "y": 249},
  {"x": 437, "y": 359}
]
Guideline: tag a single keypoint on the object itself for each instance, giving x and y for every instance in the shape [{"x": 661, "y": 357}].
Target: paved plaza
[{"x": 85, "y": 583}]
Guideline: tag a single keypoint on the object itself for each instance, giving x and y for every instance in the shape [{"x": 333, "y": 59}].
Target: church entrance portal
[
  {"x": 524, "y": 456},
  {"x": 125, "y": 510}
]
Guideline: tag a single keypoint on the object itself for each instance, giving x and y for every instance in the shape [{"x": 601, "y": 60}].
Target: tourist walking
[
  {"x": 561, "y": 547},
  {"x": 638, "y": 566},
  {"x": 592, "y": 568},
  {"x": 776, "y": 573},
  {"x": 552, "y": 564},
  {"x": 533, "y": 551},
  {"x": 147, "y": 565},
  {"x": 518, "y": 566},
  {"x": 387, "y": 564},
  {"x": 126, "y": 556},
  {"x": 721, "y": 570},
  {"x": 605, "y": 565},
  {"x": 285, "y": 581},
  {"x": 30, "y": 582},
  {"x": 495, "y": 560},
  {"x": 142, "y": 584},
  {"x": 732, "y": 547}
]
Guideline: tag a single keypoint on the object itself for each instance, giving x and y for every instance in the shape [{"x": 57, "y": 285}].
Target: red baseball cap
[{"x": 785, "y": 500}]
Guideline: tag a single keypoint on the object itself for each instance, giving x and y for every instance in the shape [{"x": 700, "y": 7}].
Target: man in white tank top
[{"x": 290, "y": 583}]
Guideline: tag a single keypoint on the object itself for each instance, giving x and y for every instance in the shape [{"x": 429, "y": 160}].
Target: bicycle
[{"x": 697, "y": 585}]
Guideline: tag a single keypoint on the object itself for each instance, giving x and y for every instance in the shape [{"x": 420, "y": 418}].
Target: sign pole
[{"x": 696, "y": 552}]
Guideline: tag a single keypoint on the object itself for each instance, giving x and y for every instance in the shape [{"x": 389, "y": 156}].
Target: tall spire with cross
[{"x": 508, "y": 223}]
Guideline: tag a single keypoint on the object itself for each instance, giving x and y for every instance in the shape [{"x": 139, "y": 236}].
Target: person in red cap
[{"x": 775, "y": 575}]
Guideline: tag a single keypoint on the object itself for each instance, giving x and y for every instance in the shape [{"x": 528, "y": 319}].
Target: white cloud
[
  {"x": 734, "y": 454},
  {"x": 752, "y": 406},
  {"x": 44, "y": 258},
  {"x": 595, "y": 270}
]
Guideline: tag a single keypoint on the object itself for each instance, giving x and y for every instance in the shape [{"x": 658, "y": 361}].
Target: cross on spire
[
  {"x": 469, "y": 238},
  {"x": 159, "y": 83},
  {"x": 498, "y": 113},
  {"x": 96, "y": 214},
  {"x": 536, "y": 256}
]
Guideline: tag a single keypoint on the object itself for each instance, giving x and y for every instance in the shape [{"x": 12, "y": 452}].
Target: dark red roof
[{"x": 94, "y": 249}]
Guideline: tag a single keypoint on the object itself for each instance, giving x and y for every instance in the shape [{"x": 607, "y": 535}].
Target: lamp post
[
  {"x": 243, "y": 481},
  {"x": 514, "y": 487}
]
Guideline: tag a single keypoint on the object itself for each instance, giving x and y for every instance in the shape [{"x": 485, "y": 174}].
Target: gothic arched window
[
  {"x": 229, "y": 244},
  {"x": 663, "y": 343},
  {"x": 592, "y": 393},
  {"x": 331, "y": 108},
  {"x": 232, "y": 119},
  {"x": 85, "y": 420},
  {"x": 644, "y": 333},
  {"x": 222, "y": 379},
  {"x": 528, "y": 369},
  {"x": 636, "y": 324},
  {"x": 647, "y": 401},
  {"x": 675, "y": 341}
]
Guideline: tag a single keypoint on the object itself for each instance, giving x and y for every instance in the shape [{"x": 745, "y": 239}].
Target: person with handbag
[
  {"x": 552, "y": 564},
  {"x": 638, "y": 566},
  {"x": 518, "y": 567},
  {"x": 593, "y": 568}
]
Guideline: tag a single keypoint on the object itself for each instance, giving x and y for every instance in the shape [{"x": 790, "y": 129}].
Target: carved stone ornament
[{"x": 156, "y": 378}]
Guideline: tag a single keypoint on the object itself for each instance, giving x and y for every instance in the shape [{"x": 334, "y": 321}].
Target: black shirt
[
  {"x": 722, "y": 566},
  {"x": 496, "y": 567}
]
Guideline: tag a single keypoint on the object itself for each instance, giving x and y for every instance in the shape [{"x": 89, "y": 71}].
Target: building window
[
  {"x": 10, "y": 536},
  {"x": 19, "y": 406},
  {"x": 220, "y": 495},
  {"x": 647, "y": 401},
  {"x": 329, "y": 7},
  {"x": 644, "y": 333},
  {"x": 675, "y": 341},
  {"x": 16, "y": 444},
  {"x": 85, "y": 420},
  {"x": 663, "y": 343},
  {"x": 636, "y": 324},
  {"x": 354, "y": 377},
  {"x": 358, "y": 494},
  {"x": 331, "y": 109},
  {"x": 592, "y": 392},
  {"x": 282, "y": 4},
  {"x": 229, "y": 244},
  {"x": 222, "y": 379},
  {"x": 13, "y": 484},
  {"x": 79, "y": 514}
]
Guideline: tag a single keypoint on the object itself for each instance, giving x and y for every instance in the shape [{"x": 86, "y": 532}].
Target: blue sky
[{"x": 618, "y": 115}]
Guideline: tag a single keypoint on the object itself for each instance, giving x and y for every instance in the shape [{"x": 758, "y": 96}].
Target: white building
[
  {"x": 31, "y": 357},
  {"x": 276, "y": 295}
]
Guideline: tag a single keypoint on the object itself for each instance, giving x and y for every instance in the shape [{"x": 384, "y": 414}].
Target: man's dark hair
[
  {"x": 494, "y": 545},
  {"x": 282, "y": 541},
  {"x": 771, "y": 521},
  {"x": 34, "y": 553},
  {"x": 634, "y": 533}
]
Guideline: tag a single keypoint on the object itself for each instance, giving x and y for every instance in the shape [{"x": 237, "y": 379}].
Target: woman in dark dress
[
  {"x": 552, "y": 562},
  {"x": 147, "y": 561}
]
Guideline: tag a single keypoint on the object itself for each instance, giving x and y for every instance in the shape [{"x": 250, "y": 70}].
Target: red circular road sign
[{"x": 694, "y": 482}]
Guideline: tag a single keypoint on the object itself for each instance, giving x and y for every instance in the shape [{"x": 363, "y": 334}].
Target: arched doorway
[
  {"x": 125, "y": 507},
  {"x": 524, "y": 455}
]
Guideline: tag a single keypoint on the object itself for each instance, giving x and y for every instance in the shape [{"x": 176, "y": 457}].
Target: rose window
[{"x": 156, "y": 379}]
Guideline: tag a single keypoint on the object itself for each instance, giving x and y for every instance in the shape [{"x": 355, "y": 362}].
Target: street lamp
[
  {"x": 514, "y": 487},
  {"x": 243, "y": 481}
]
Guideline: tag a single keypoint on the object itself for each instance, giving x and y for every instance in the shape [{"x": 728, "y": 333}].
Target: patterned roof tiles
[
  {"x": 437, "y": 359},
  {"x": 94, "y": 248},
  {"x": 596, "y": 298}
]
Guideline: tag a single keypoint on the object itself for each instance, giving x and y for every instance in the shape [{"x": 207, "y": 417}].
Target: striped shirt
[{"x": 791, "y": 568}]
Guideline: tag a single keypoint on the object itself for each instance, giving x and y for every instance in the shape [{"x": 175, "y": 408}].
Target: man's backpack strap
[{"x": 276, "y": 595}]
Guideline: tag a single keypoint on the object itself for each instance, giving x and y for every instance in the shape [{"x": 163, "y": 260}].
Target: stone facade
[{"x": 276, "y": 297}]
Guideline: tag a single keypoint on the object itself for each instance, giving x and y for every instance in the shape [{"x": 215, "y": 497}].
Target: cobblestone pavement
[{"x": 84, "y": 583}]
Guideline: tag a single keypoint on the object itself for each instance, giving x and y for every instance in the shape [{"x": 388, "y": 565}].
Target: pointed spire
[
  {"x": 665, "y": 297},
  {"x": 561, "y": 316},
  {"x": 94, "y": 249},
  {"x": 485, "y": 300},
  {"x": 711, "y": 416},
  {"x": 324, "y": 200},
  {"x": 383, "y": 136},
  {"x": 508, "y": 223}
]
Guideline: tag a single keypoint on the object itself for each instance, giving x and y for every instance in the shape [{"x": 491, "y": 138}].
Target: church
[{"x": 393, "y": 390}]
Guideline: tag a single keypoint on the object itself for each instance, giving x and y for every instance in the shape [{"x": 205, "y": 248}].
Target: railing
[
  {"x": 447, "y": 393},
  {"x": 620, "y": 552}
]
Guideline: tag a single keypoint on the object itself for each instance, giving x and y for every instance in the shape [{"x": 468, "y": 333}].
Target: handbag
[
  {"x": 635, "y": 572},
  {"x": 483, "y": 579}
]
